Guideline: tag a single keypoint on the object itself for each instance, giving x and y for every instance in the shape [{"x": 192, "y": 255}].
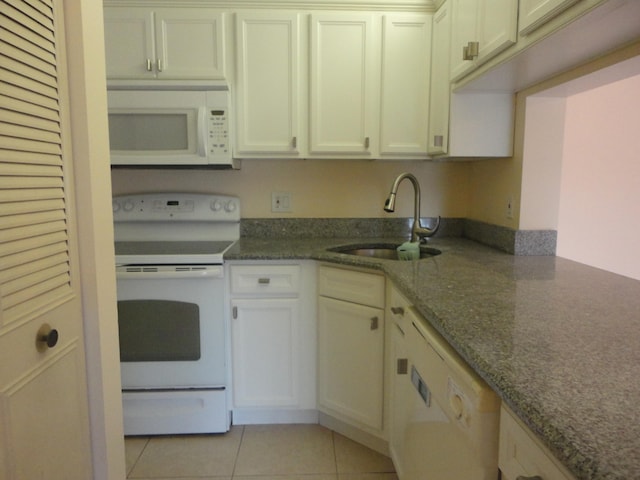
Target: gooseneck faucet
[{"x": 418, "y": 232}]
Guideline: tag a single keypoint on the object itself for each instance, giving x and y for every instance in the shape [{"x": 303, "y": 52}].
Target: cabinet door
[
  {"x": 534, "y": 13},
  {"x": 406, "y": 66},
  {"x": 399, "y": 378},
  {"x": 343, "y": 104},
  {"x": 490, "y": 24},
  {"x": 464, "y": 29},
  {"x": 521, "y": 455},
  {"x": 497, "y": 27},
  {"x": 350, "y": 369},
  {"x": 438, "y": 137},
  {"x": 267, "y": 83},
  {"x": 264, "y": 336},
  {"x": 129, "y": 42},
  {"x": 190, "y": 43}
]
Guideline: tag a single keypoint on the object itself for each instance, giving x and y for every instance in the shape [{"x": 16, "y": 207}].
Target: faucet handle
[{"x": 424, "y": 232}]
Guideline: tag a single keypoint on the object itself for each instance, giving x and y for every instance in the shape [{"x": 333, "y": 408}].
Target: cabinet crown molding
[{"x": 369, "y": 5}]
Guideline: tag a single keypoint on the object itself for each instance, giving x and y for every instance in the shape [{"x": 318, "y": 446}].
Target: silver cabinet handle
[
  {"x": 397, "y": 310},
  {"x": 374, "y": 323},
  {"x": 294, "y": 142},
  {"x": 471, "y": 51},
  {"x": 264, "y": 281},
  {"x": 234, "y": 312},
  {"x": 366, "y": 143},
  {"x": 402, "y": 366},
  {"x": 438, "y": 140},
  {"x": 522, "y": 477},
  {"x": 149, "y": 65},
  {"x": 160, "y": 66}
]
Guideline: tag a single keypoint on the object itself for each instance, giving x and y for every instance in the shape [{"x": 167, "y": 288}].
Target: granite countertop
[{"x": 557, "y": 340}]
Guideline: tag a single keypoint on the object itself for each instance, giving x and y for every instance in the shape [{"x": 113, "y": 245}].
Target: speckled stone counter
[{"x": 557, "y": 340}]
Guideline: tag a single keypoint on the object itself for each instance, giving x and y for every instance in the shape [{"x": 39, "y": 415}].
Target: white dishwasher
[{"x": 445, "y": 418}]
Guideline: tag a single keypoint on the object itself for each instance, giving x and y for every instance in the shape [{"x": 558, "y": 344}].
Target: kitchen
[{"x": 450, "y": 189}]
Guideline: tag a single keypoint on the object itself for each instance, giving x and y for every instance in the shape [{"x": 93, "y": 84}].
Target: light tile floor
[{"x": 256, "y": 452}]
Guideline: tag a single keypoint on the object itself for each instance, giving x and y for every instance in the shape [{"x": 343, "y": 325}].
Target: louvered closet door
[{"x": 43, "y": 400}]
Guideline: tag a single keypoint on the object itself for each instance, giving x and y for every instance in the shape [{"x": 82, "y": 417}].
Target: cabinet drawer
[
  {"x": 265, "y": 279},
  {"x": 352, "y": 286},
  {"x": 523, "y": 455}
]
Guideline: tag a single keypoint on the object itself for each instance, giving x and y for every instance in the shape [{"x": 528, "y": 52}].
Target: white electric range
[{"x": 170, "y": 288}]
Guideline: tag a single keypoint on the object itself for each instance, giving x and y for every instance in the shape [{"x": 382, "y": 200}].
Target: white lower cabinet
[
  {"x": 400, "y": 387},
  {"x": 265, "y": 329},
  {"x": 272, "y": 343},
  {"x": 351, "y": 347},
  {"x": 522, "y": 456}
]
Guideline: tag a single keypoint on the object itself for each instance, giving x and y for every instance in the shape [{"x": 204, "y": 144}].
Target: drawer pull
[
  {"x": 264, "y": 281},
  {"x": 397, "y": 310},
  {"x": 522, "y": 477}
]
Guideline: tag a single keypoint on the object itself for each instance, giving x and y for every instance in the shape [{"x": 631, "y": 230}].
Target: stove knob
[
  {"x": 230, "y": 206},
  {"x": 215, "y": 205},
  {"x": 128, "y": 206},
  {"x": 115, "y": 206}
]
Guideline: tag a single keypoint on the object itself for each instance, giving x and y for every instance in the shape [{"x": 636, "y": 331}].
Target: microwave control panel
[{"x": 219, "y": 143}]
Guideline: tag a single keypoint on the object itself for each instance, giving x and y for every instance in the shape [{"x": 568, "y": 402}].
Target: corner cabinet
[
  {"x": 464, "y": 125},
  {"x": 268, "y": 84},
  {"x": 351, "y": 347},
  {"x": 164, "y": 43},
  {"x": 272, "y": 343},
  {"x": 438, "y": 128},
  {"x": 343, "y": 105},
  {"x": 481, "y": 29}
]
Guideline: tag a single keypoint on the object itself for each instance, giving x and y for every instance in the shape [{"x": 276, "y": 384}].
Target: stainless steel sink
[{"x": 385, "y": 251}]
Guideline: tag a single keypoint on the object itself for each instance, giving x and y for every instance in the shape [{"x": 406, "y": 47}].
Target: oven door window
[{"x": 158, "y": 331}]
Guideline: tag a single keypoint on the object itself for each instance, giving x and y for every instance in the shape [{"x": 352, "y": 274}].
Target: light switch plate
[{"x": 281, "y": 202}]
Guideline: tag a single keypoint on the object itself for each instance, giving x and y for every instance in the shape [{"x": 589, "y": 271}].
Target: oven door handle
[{"x": 216, "y": 272}]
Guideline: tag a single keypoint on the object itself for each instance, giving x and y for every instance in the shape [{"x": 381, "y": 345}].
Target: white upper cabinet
[
  {"x": 438, "y": 137},
  {"x": 481, "y": 29},
  {"x": 534, "y": 13},
  {"x": 268, "y": 84},
  {"x": 343, "y": 105},
  {"x": 129, "y": 43},
  {"x": 404, "y": 93},
  {"x": 167, "y": 43}
]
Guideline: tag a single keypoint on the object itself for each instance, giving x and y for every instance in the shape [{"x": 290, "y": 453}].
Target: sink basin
[{"x": 385, "y": 251}]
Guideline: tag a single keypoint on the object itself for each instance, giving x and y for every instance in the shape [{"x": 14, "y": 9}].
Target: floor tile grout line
[
  {"x": 235, "y": 460},
  {"x": 335, "y": 454},
  {"x": 146, "y": 444}
]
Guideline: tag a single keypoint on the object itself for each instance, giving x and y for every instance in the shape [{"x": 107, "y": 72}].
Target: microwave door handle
[{"x": 202, "y": 132}]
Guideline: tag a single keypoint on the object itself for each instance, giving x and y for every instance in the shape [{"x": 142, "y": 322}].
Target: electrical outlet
[
  {"x": 509, "y": 207},
  {"x": 280, "y": 202}
]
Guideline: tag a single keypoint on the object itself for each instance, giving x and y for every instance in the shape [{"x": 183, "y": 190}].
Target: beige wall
[
  {"x": 532, "y": 177},
  {"x": 319, "y": 188},
  {"x": 600, "y": 194}
]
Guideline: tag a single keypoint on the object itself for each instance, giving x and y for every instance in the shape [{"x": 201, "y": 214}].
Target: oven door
[{"x": 171, "y": 325}]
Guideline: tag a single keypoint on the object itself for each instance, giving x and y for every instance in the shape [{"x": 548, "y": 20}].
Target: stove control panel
[{"x": 188, "y": 207}]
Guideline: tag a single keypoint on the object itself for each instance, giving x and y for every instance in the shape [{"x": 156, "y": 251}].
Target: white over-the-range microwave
[{"x": 170, "y": 124}]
